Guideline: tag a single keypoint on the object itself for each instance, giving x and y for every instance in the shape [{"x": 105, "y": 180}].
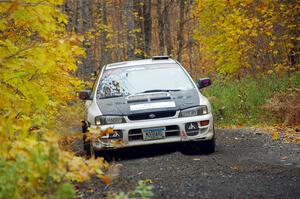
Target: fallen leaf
[
  {"x": 117, "y": 142},
  {"x": 106, "y": 180},
  {"x": 148, "y": 181},
  {"x": 239, "y": 125},
  {"x": 275, "y": 135},
  {"x": 284, "y": 158},
  {"x": 106, "y": 132}
]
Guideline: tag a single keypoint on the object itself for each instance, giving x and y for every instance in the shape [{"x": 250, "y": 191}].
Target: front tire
[
  {"x": 105, "y": 154},
  {"x": 87, "y": 145},
  {"x": 208, "y": 146},
  {"x": 88, "y": 148}
]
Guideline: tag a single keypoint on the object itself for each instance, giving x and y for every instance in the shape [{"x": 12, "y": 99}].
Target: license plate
[{"x": 154, "y": 133}]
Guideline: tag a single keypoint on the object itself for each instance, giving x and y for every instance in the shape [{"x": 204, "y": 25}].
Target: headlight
[
  {"x": 103, "y": 120},
  {"x": 200, "y": 110}
]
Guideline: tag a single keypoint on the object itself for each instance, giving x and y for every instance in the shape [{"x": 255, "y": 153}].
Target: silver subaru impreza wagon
[{"x": 146, "y": 102}]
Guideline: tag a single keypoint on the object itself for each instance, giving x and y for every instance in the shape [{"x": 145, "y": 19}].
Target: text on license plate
[{"x": 154, "y": 133}]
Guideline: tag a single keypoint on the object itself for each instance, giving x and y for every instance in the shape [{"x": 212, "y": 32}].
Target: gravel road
[{"x": 247, "y": 164}]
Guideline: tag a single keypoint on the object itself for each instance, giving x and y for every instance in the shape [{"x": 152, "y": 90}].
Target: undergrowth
[
  {"x": 252, "y": 101},
  {"x": 141, "y": 191}
]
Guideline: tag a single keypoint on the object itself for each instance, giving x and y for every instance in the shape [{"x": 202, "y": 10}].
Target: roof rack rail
[{"x": 160, "y": 57}]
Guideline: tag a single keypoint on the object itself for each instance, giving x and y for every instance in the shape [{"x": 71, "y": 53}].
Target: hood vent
[
  {"x": 137, "y": 101},
  {"x": 143, "y": 97},
  {"x": 151, "y": 97},
  {"x": 160, "y": 98}
]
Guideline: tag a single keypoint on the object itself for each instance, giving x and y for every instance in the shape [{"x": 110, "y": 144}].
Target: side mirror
[
  {"x": 204, "y": 82},
  {"x": 85, "y": 94}
]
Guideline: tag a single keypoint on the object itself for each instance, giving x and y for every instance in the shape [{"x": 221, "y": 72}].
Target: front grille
[
  {"x": 151, "y": 115},
  {"x": 136, "y": 134},
  {"x": 172, "y": 131}
]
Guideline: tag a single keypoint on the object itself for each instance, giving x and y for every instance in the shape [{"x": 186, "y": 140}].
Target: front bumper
[{"x": 175, "y": 132}]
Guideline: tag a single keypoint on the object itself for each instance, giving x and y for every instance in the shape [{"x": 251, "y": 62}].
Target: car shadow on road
[
  {"x": 151, "y": 151},
  {"x": 143, "y": 152}
]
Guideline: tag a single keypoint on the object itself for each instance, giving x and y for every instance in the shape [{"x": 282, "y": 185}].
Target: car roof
[{"x": 139, "y": 63}]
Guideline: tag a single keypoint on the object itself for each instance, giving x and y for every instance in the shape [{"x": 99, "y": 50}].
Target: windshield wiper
[
  {"x": 110, "y": 96},
  {"x": 159, "y": 90}
]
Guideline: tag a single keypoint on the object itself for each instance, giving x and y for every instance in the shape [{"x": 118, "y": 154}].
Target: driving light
[
  {"x": 97, "y": 121},
  {"x": 103, "y": 120},
  {"x": 190, "y": 112}
]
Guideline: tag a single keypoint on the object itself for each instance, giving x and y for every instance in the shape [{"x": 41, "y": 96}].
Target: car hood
[{"x": 149, "y": 102}]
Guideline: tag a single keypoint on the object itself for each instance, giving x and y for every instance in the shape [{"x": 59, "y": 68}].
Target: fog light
[
  {"x": 192, "y": 128},
  {"x": 204, "y": 123}
]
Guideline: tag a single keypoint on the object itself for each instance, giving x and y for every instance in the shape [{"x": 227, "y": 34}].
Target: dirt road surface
[{"x": 246, "y": 164}]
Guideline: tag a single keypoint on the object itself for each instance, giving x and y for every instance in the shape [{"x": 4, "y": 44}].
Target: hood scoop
[{"x": 147, "y": 97}]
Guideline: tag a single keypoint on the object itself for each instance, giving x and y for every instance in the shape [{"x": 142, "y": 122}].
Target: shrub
[
  {"x": 34, "y": 165},
  {"x": 241, "y": 101}
]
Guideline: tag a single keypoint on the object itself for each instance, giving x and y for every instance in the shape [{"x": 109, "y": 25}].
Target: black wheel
[
  {"x": 105, "y": 154},
  {"x": 201, "y": 147},
  {"x": 87, "y": 146},
  {"x": 208, "y": 146}
]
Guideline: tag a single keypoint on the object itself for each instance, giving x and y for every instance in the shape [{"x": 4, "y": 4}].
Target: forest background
[{"x": 250, "y": 48}]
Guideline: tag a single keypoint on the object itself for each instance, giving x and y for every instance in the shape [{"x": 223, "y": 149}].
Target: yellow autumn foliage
[
  {"x": 37, "y": 81},
  {"x": 244, "y": 37}
]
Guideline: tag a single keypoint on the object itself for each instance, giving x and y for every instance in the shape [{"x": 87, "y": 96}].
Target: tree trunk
[
  {"x": 189, "y": 40},
  {"x": 78, "y": 28},
  {"x": 105, "y": 52},
  {"x": 129, "y": 21},
  {"x": 160, "y": 28},
  {"x": 167, "y": 27},
  {"x": 147, "y": 27},
  {"x": 78, "y": 22},
  {"x": 139, "y": 29},
  {"x": 180, "y": 30},
  {"x": 119, "y": 27},
  {"x": 70, "y": 10},
  {"x": 88, "y": 66}
]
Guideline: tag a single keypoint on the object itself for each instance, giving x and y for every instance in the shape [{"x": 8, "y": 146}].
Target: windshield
[{"x": 138, "y": 79}]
